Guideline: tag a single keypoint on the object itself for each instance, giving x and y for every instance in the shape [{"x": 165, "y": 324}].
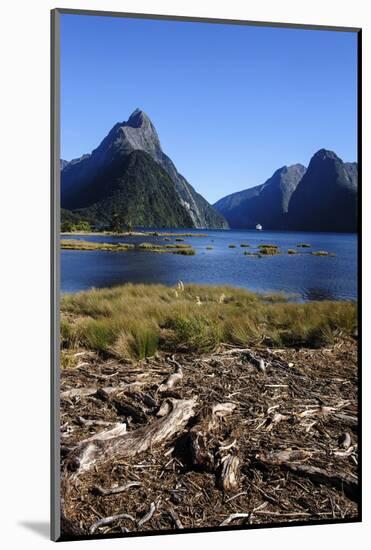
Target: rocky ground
[{"x": 236, "y": 437}]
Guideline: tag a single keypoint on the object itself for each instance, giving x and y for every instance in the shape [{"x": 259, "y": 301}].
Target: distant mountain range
[
  {"x": 128, "y": 175},
  {"x": 322, "y": 197}
]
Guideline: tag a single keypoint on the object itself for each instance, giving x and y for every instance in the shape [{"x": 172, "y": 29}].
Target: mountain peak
[
  {"x": 324, "y": 154},
  {"x": 138, "y": 118}
]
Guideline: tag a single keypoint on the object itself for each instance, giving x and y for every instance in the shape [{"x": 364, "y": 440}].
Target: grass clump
[
  {"x": 178, "y": 239},
  {"x": 134, "y": 321},
  {"x": 291, "y": 251},
  {"x": 231, "y": 246},
  {"x": 209, "y": 248},
  {"x": 303, "y": 245},
  {"x": 244, "y": 245},
  {"x": 269, "y": 251}
]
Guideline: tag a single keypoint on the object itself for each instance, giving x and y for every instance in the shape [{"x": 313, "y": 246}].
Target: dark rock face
[
  {"x": 266, "y": 204},
  {"x": 62, "y": 163},
  {"x": 321, "y": 198},
  {"x": 137, "y": 189},
  {"x": 81, "y": 176},
  {"x": 326, "y": 197}
]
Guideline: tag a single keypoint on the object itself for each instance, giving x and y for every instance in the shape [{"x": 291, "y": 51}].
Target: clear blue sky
[{"x": 231, "y": 103}]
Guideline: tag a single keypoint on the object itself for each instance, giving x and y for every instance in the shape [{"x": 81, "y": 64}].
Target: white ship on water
[{"x": 258, "y": 227}]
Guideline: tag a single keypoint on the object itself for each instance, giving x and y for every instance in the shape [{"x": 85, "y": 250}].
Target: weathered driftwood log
[
  {"x": 228, "y": 473},
  {"x": 148, "y": 515},
  {"x": 286, "y": 460},
  {"x": 105, "y": 446},
  {"x": 108, "y": 520},
  {"x": 173, "y": 379},
  {"x": 207, "y": 454}
]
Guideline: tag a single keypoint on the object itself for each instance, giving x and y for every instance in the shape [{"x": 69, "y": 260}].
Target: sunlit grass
[{"x": 134, "y": 321}]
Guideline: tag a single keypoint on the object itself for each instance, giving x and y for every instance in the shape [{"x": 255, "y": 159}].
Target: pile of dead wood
[{"x": 231, "y": 419}]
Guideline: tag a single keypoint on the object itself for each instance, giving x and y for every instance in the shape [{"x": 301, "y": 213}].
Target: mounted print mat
[{"x": 205, "y": 275}]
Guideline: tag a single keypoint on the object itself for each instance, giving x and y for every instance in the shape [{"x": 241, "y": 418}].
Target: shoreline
[{"x": 134, "y": 234}]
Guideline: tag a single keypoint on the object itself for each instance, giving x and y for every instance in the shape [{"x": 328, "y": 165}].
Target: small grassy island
[{"x": 77, "y": 244}]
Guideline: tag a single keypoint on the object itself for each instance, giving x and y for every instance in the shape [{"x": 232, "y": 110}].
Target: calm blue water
[{"x": 310, "y": 277}]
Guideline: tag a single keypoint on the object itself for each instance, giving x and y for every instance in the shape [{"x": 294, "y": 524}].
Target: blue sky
[{"x": 231, "y": 103}]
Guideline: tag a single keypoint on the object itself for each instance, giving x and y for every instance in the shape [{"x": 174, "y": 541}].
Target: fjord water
[{"x": 303, "y": 274}]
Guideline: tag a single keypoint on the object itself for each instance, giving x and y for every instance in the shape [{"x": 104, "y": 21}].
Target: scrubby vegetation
[
  {"x": 291, "y": 251},
  {"x": 134, "y": 321},
  {"x": 303, "y": 245}
]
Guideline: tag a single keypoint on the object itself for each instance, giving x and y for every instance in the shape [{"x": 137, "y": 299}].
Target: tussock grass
[
  {"x": 244, "y": 245},
  {"x": 291, "y": 251},
  {"x": 134, "y": 321},
  {"x": 231, "y": 246},
  {"x": 304, "y": 245}
]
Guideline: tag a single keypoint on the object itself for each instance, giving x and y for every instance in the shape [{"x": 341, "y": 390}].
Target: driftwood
[
  {"x": 116, "y": 490},
  {"x": 201, "y": 456},
  {"x": 108, "y": 520},
  {"x": 148, "y": 515},
  {"x": 207, "y": 454},
  {"x": 178, "y": 524},
  {"x": 286, "y": 460},
  {"x": 173, "y": 379},
  {"x": 345, "y": 440},
  {"x": 86, "y": 392},
  {"x": 126, "y": 409},
  {"x": 108, "y": 446},
  {"x": 228, "y": 473},
  {"x": 232, "y": 517}
]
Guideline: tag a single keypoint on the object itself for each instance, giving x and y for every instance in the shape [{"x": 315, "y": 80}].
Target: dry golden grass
[{"x": 136, "y": 320}]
